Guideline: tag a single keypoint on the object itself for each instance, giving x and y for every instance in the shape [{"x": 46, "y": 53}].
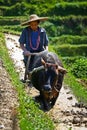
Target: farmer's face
[{"x": 34, "y": 25}]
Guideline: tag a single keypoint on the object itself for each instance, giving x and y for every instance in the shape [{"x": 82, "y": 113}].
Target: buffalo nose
[{"x": 47, "y": 88}]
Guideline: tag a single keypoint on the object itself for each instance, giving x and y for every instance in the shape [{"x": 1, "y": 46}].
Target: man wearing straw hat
[{"x": 33, "y": 38}]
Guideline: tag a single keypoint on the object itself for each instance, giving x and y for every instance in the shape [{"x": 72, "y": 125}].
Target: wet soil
[{"x": 67, "y": 113}]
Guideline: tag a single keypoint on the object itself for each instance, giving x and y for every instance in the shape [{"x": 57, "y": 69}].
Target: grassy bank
[
  {"x": 30, "y": 117},
  {"x": 79, "y": 91}
]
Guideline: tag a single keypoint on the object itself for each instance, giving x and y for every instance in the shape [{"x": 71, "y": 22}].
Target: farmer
[{"x": 33, "y": 38}]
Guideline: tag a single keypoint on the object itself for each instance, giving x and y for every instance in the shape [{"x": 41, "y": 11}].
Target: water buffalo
[{"x": 47, "y": 76}]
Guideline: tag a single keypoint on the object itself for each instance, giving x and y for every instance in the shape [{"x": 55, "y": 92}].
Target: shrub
[
  {"x": 50, "y": 28},
  {"x": 67, "y": 8},
  {"x": 79, "y": 68},
  {"x": 69, "y": 39},
  {"x": 71, "y": 50}
]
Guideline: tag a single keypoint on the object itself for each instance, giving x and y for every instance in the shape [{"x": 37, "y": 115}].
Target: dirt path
[
  {"x": 67, "y": 113},
  {"x": 8, "y": 102}
]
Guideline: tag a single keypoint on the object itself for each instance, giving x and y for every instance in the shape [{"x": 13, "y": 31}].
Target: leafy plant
[{"x": 79, "y": 68}]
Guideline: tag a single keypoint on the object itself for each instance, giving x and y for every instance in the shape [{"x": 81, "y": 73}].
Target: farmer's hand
[{"x": 26, "y": 53}]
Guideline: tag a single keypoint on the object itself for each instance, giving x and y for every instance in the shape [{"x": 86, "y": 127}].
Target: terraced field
[{"x": 67, "y": 32}]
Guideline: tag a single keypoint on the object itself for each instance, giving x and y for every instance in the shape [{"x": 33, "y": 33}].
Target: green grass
[
  {"x": 13, "y": 29},
  {"x": 57, "y": 27},
  {"x": 71, "y": 50},
  {"x": 72, "y": 79},
  {"x": 30, "y": 117},
  {"x": 69, "y": 39},
  {"x": 79, "y": 91}
]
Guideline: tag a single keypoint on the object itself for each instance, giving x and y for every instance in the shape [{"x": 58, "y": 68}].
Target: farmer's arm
[
  {"x": 22, "y": 41},
  {"x": 25, "y": 51},
  {"x": 23, "y": 47}
]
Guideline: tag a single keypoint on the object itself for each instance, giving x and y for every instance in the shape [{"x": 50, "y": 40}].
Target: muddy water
[{"x": 67, "y": 113}]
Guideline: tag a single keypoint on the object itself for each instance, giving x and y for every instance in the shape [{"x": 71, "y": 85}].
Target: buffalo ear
[
  {"x": 43, "y": 62},
  {"x": 61, "y": 69}
]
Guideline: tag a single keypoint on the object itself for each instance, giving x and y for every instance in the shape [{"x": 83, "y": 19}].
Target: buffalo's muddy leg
[
  {"x": 45, "y": 104},
  {"x": 58, "y": 87}
]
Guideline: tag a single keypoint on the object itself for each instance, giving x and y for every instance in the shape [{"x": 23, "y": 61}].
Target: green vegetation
[
  {"x": 69, "y": 39},
  {"x": 67, "y": 8},
  {"x": 45, "y": 8},
  {"x": 77, "y": 65},
  {"x": 56, "y": 26},
  {"x": 29, "y": 114},
  {"x": 77, "y": 76},
  {"x": 79, "y": 91},
  {"x": 15, "y": 29},
  {"x": 79, "y": 68},
  {"x": 67, "y": 31},
  {"x": 71, "y": 50}
]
